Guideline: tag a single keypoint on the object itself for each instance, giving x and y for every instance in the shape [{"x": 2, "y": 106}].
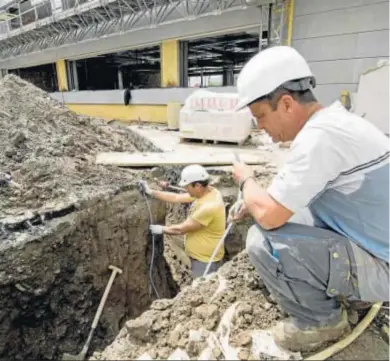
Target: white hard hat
[
  {"x": 193, "y": 173},
  {"x": 268, "y": 70}
]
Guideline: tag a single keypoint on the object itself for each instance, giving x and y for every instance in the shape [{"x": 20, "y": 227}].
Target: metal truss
[
  {"x": 279, "y": 18},
  {"x": 90, "y": 19},
  {"x": 80, "y": 20}
]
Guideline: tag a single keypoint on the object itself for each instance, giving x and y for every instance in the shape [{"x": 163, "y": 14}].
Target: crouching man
[
  {"x": 322, "y": 227},
  {"x": 205, "y": 224}
]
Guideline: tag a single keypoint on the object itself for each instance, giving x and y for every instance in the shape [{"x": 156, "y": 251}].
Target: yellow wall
[
  {"x": 170, "y": 63},
  {"x": 61, "y": 75},
  {"x": 147, "y": 113}
]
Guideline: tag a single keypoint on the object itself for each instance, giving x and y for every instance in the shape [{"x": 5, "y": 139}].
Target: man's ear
[{"x": 287, "y": 103}]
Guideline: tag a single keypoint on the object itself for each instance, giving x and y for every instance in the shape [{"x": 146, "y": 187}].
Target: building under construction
[{"x": 86, "y": 52}]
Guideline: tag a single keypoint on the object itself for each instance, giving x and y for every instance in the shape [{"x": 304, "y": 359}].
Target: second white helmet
[{"x": 193, "y": 173}]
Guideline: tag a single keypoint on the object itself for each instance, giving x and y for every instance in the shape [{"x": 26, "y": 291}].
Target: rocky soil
[
  {"x": 227, "y": 315},
  {"x": 47, "y": 152},
  {"x": 188, "y": 320},
  {"x": 63, "y": 220}
]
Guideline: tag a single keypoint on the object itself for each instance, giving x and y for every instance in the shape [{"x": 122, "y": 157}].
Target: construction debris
[
  {"x": 63, "y": 220},
  {"x": 49, "y": 151},
  {"x": 193, "y": 318}
]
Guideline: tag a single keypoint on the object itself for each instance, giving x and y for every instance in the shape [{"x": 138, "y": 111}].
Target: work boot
[
  {"x": 290, "y": 337},
  {"x": 355, "y": 305},
  {"x": 360, "y": 305}
]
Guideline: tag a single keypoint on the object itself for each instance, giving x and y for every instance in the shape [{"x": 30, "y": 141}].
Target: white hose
[
  {"x": 220, "y": 243},
  {"x": 153, "y": 247},
  {"x": 222, "y": 240}
]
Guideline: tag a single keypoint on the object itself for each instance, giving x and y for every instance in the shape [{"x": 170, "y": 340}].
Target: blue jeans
[{"x": 198, "y": 267}]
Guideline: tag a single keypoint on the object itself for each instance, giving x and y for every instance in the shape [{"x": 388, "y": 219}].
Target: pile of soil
[
  {"x": 49, "y": 151},
  {"x": 168, "y": 324}
]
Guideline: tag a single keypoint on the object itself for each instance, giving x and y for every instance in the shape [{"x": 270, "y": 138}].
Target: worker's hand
[
  {"x": 156, "y": 229},
  {"x": 163, "y": 184},
  {"x": 241, "y": 172},
  {"x": 238, "y": 211},
  {"x": 144, "y": 187}
]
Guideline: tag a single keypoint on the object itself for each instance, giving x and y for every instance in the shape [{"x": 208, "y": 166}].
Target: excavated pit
[
  {"x": 63, "y": 221},
  {"x": 51, "y": 284}
]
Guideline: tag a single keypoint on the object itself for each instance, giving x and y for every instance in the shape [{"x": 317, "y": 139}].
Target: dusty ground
[
  {"x": 188, "y": 320},
  {"x": 196, "y": 324},
  {"x": 49, "y": 152}
]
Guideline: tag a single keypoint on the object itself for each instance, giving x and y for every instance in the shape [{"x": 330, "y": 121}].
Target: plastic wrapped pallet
[{"x": 211, "y": 116}]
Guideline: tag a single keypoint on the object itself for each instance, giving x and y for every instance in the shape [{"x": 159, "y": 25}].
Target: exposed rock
[
  {"x": 242, "y": 339},
  {"x": 196, "y": 300},
  {"x": 140, "y": 328},
  {"x": 161, "y": 304},
  {"x": 244, "y": 355}
]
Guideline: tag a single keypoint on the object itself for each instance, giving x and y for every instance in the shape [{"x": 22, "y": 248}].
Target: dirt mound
[
  {"x": 47, "y": 151},
  {"x": 187, "y": 321}
]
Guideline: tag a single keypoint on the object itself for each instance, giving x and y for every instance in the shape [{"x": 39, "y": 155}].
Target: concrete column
[
  {"x": 228, "y": 75},
  {"x": 120, "y": 78},
  {"x": 75, "y": 76},
  {"x": 61, "y": 75},
  {"x": 183, "y": 64},
  {"x": 170, "y": 67}
]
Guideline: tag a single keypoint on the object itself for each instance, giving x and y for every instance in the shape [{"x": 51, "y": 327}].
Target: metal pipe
[
  {"x": 269, "y": 25},
  {"x": 290, "y": 22},
  {"x": 261, "y": 28}
]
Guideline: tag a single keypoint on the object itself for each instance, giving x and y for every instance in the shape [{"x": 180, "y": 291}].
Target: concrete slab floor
[{"x": 170, "y": 141}]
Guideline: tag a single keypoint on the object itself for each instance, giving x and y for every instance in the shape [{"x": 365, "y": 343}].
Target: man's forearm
[
  {"x": 189, "y": 225},
  {"x": 267, "y": 211},
  {"x": 165, "y": 196},
  {"x": 255, "y": 200},
  {"x": 174, "y": 230}
]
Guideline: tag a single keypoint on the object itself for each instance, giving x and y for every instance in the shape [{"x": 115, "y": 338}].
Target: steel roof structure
[{"x": 35, "y": 25}]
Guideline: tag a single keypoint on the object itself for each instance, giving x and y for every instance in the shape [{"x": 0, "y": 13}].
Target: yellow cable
[{"x": 358, "y": 330}]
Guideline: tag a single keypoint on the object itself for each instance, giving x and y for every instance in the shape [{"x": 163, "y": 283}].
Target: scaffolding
[{"x": 52, "y": 23}]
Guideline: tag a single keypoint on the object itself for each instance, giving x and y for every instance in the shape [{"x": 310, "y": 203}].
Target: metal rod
[{"x": 269, "y": 32}]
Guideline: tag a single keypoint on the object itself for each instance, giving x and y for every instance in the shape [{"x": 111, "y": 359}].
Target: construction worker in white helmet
[
  {"x": 206, "y": 221},
  {"x": 321, "y": 234}
]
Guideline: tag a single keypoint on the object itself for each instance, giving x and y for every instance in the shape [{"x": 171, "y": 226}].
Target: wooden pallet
[
  {"x": 203, "y": 157},
  {"x": 209, "y": 141}
]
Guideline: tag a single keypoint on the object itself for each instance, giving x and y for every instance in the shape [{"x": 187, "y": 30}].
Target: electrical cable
[{"x": 153, "y": 246}]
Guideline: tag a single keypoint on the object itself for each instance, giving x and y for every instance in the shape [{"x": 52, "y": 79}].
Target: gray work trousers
[
  {"x": 306, "y": 269},
  {"x": 198, "y": 267}
]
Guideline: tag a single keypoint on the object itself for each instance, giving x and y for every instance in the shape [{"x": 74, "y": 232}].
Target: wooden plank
[{"x": 136, "y": 160}]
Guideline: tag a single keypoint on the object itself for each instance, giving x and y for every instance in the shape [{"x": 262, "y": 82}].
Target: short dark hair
[
  {"x": 294, "y": 88},
  {"x": 203, "y": 183}
]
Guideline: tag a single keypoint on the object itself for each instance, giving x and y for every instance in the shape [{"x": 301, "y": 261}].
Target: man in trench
[
  {"x": 205, "y": 224},
  {"x": 321, "y": 233}
]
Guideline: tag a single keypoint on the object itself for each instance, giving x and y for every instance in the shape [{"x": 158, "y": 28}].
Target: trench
[{"x": 51, "y": 284}]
